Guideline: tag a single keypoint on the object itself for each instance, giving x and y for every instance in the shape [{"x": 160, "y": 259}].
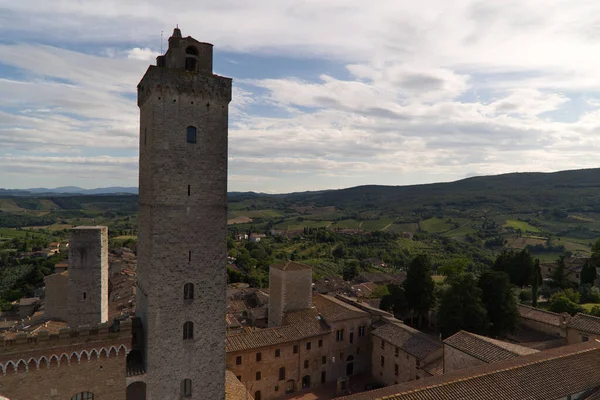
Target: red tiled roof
[
  {"x": 550, "y": 374},
  {"x": 334, "y": 310},
  {"x": 485, "y": 348},
  {"x": 585, "y": 323},
  {"x": 408, "y": 339},
  {"x": 539, "y": 315}
]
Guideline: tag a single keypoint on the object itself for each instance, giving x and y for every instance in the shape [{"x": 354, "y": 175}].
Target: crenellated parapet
[
  {"x": 169, "y": 85},
  {"x": 24, "y": 351}
]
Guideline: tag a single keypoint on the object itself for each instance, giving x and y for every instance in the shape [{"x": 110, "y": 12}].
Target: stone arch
[
  {"x": 32, "y": 364},
  {"x": 21, "y": 366},
  {"x": 112, "y": 352},
  {"x": 93, "y": 355},
  {"x": 124, "y": 349},
  {"x": 74, "y": 359},
  {"x": 43, "y": 363},
  {"x": 64, "y": 360},
  {"x": 84, "y": 356},
  {"x": 53, "y": 361},
  {"x": 136, "y": 391},
  {"x": 10, "y": 367},
  {"x": 103, "y": 353}
]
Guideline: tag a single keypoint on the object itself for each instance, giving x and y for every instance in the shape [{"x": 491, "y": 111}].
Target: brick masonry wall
[
  {"x": 455, "y": 359},
  {"x": 359, "y": 349},
  {"x": 577, "y": 336},
  {"x": 545, "y": 328},
  {"x": 182, "y": 232},
  {"x": 269, "y": 385},
  {"x": 104, "y": 377},
  {"x": 88, "y": 275}
]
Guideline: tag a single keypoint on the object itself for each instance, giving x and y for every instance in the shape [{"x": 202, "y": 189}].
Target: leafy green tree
[
  {"x": 589, "y": 294},
  {"x": 462, "y": 308},
  {"x": 339, "y": 251},
  {"x": 563, "y": 302},
  {"x": 350, "y": 270},
  {"x": 518, "y": 266},
  {"x": 499, "y": 301},
  {"x": 536, "y": 281},
  {"x": 595, "y": 257},
  {"x": 558, "y": 275},
  {"x": 379, "y": 292},
  {"x": 588, "y": 273},
  {"x": 395, "y": 301},
  {"x": 419, "y": 287},
  {"x": 454, "y": 267}
]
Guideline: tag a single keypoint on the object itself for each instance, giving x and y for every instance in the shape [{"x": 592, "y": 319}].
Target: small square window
[
  {"x": 277, "y": 352},
  {"x": 295, "y": 348},
  {"x": 258, "y": 375},
  {"x": 305, "y": 363},
  {"x": 238, "y": 360},
  {"x": 320, "y": 342},
  {"x": 308, "y": 345},
  {"x": 191, "y": 134},
  {"x": 258, "y": 356},
  {"x": 324, "y": 360}
]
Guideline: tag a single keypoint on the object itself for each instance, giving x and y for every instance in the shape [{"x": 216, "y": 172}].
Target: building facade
[{"x": 182, "y": 250}]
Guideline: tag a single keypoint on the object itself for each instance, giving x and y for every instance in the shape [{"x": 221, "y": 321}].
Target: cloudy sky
[{"x": 327, "y": 93}]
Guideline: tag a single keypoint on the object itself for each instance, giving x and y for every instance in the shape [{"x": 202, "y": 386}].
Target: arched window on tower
[
  {"x": 191, "y": 134},
  {"x": 83, "y": 396},
  {"x": 186, "y": 388},
  {"x": 188, "y": 330},
  {"x": 191, "y": 58},
  {"x": 188, "y": 291}
]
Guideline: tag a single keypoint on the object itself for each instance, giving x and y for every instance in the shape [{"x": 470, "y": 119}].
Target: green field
[
  {"x": 346, "y": 224},
  {"x": 435, "y": 225},
  {"x": 256, "y": 213},
  {"x": 407, "y": 227},
  {"x": 522, "y": 225},
  {"x": 376, "y": 224},
  {"x": 461, "y": 231},
  {"x": 9, "y": 233}
]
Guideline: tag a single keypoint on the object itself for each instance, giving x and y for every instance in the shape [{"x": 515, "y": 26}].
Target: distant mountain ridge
[{"x": 70, "y": 190}]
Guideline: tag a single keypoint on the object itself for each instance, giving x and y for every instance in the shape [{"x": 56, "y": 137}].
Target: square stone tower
[
  {"x": 182, "y": 247},
  {"x": 88, "y": 275},
  {"x": 290, "y": 289}
]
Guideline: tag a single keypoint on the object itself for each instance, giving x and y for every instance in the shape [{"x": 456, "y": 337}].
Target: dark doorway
[
  {"x": 349, "y": 365},
  {"x": 323, "y": 377},
  {"x": 136, "y": 391},
  {"x": 306, "y": 381}
]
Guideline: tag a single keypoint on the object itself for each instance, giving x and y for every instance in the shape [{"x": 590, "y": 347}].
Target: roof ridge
[{"x": 538, "y": 309}]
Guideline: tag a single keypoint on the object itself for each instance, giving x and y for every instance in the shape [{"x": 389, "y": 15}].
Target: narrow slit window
[
  {"x": 189, "y": 256},
  {"x": 191, "y": 134},
  {"x": 189, "y": 189},
  {"x": 188, "y": 291},
  {"x": 188, "y": 330}
]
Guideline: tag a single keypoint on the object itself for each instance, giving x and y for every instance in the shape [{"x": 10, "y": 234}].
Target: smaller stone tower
[
  {"x": 290, "y": 289},
  {"x": 88, "y": 275}
]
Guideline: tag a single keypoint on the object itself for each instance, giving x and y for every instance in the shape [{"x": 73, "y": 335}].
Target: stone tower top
[
  {"x": 290, "y": 289},
  {"x": 187, "y": 53}
]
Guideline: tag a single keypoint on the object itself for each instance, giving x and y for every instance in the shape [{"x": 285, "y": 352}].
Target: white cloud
[{"x": 145, "y": 54}]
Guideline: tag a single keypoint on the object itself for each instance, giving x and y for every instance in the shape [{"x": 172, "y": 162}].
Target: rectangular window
[
  {"x": 191, "y": 134},
  {"x": 324, "y": 360},
  {"x": 382, "y": 344},
  {"x": 418, "y": 363},
  {"x": 305, "y": 363},
  {"x": 258, "y": 356},
  {"x": 189, "y": 189},
  {"x": 189, "y": 256},
  {"x": 277, "y": 352},
  {"x": 282, "y": 373},
  {"x": 382, "y": 361},
  {"x": 323, "y": 377},
  {"x": 239, "y": 378},
  {"x": 258, "y": 375},
  {"x": 295, "y": 348},
  {"x": 396, "y": 369},
  {"x": 585, "y": 338},
  {"x": 308, "y": 346},
  {"x": 361, "y": 331},
  {"x": 238, "y": 360},
  {"x": 339, "y": 335},
  {"x": 320, "y": 342},
  {"x": 351, "y": 337},
  {"x": 397, "y": 351}
]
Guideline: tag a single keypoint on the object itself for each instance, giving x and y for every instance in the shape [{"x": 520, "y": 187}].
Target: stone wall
[
  {"x": 386, "y": 374},
  {"x": 455, "y": 359},
  {"x": 577, "y": 336},
  {"x": 545, "y": 328},
  {"x": 56, "y": 296},
  {"x": 183, "y": 228},
  {"x": 289, "y": 290},
  {"x": 88, "y": 275},
  {"x": 356, "y": 352}
]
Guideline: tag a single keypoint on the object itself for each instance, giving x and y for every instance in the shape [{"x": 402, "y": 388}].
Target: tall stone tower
[
  {"x": 290, "y": 289},
  {"x": 182, "y": 249},
  {"x": 88, "y": 276}
]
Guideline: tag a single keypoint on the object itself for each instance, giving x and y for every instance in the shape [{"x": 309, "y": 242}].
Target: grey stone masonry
[
  {"x": 88, "y": 276},
  {"x": 183, "y": 222},
  {"x": 290, "y": 289}
]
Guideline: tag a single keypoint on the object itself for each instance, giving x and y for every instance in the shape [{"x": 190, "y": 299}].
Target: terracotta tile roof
[
  {"x": 232, "y": 321},
  {"x": 536, "y": 314},
  {"x": 435, "y": 367},
  {"x": 301, "y": 325},
  {"x": 234, "y": 389},
  {"x": 585, "y": 323},
  {"x": 291, "y": 266},
  {"x": 408, "y": 339},
  {"x": 334, "y": 310},
  {"x": 549, "y": 374},
  {"x": 485, "y": 348}
]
